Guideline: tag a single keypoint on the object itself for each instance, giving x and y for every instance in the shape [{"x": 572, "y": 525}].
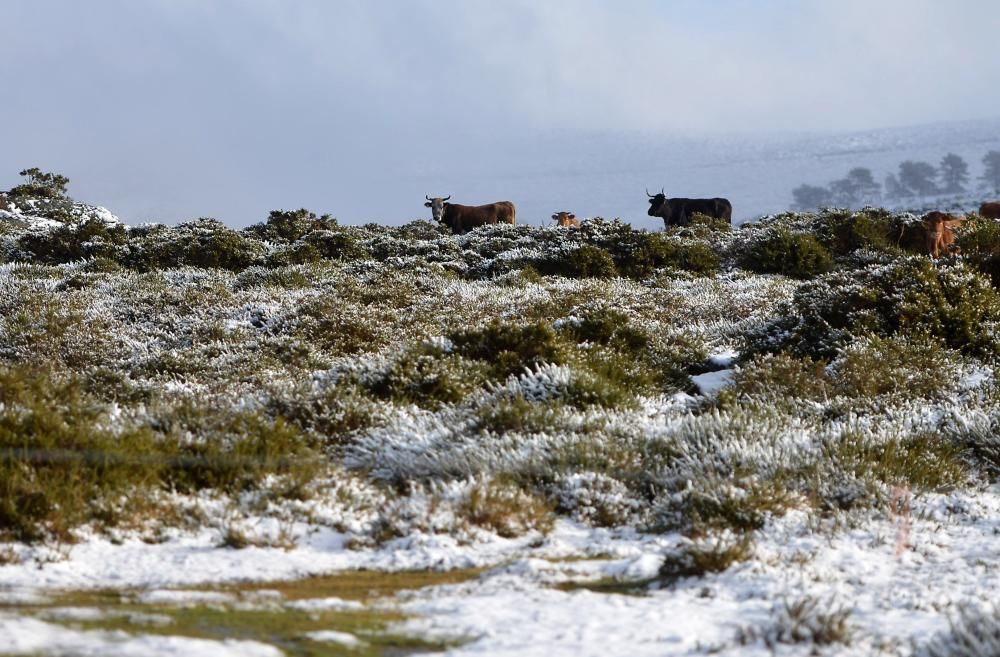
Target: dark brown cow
[
  {"x": 463, "y": 218},
  {"x": 990, "y": 210},
  {"x": 678, "y": 211},
  {"x": 566, "y": 220},
  {"x": 940, "y": 229}
]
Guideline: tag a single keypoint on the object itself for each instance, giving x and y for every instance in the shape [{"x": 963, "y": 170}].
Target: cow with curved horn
[
  {"x": 678, "y": 211},
  {"x": 463, "y": 218}
]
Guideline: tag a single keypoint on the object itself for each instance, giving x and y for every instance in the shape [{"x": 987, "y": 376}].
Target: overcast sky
[{"x": 171, "y": 109}]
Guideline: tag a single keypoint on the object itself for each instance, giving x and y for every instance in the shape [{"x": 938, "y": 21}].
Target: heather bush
[
  {"x": 911, "y": 296},
  {"x": 290, "y": 225},
  {"x": 508, "y": 349},
  {"x": 74, "y": 241},
  {"x": 795, "y": 254}
]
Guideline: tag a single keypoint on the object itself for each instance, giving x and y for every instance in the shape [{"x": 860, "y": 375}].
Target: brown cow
[
  {"x": 566, "y": 220},
  {"x": 463, "y": 218},
  {"x": 990, "y": 210},
  {"x": 940, "y": 232}
]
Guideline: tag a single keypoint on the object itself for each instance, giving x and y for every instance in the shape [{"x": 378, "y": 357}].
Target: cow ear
[{"x": 427, "y": 204}]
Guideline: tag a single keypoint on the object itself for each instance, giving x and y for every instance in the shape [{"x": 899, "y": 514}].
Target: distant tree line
[{"x": 914, "y": 179}]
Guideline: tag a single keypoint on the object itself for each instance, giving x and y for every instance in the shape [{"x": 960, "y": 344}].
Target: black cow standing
[{"x": 678, "y": 211}]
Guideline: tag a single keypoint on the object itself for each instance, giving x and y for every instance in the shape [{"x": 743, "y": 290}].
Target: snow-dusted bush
[
  {"x": 974, "y": 632},
  {"x": 598, "y": 499},
  {"x": 808, "y": 620},
  {"x": 799, "y": 255},
  {"x": 910, "y": 296}
]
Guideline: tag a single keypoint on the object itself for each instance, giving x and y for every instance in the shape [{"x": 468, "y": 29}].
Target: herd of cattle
[
  {"x": 939, "y": 227},
  {"x": 674, "y": 211}
]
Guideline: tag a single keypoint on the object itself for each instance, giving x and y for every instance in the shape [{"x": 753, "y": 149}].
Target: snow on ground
[
  {"x": 898, "y": 579},
  {"x": 894, "y": 595},
  {"x": 195, "y": 559}
]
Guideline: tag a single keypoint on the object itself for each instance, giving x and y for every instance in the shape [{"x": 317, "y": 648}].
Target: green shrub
[
  {"x": 710, "y": 555},
  {"x": 201, "y": 243},
  {"x": 68, "y": 242},
  {"x": 609, "y": 327},
  {"x": 587, "y": 261},
  {"x": 58, "y": 462},
  {"x": 40, "y": 184},
  {"x": 428, "y": 377},
  {"x": 236, "y": 451},
  {"x": 290, "y": 225},
  {"x": 506, "y": 509},
  {"x": 799, "y": 255},
  {"x": 979, "y": 242},
  {"x": 640, "y": 254},
  {"x": 778, "y": 377},
  {"x": 335, "y": 244},
  {"x": 844, "y": 232},
  {"x": 217, "y": 246},
  {"x": 509, "y": 349},
  {"x": 299, "y": 253},
  {"x": 923, "y": 462},
  {"x": 699, "y": 222},
  {"x": 910, "y": 297},
  {"x": 918, "y": 367}
]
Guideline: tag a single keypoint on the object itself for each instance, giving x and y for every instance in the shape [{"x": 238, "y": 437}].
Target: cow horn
[
  {"x": 648, "y": 194},
  {"x": 427, "y": 197},
  {"x": 446, "y": 197},
  {"x": 661, "y": 191}
]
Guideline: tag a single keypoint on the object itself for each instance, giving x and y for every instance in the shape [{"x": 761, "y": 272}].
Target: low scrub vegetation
[{"x": 493, "y": 381}]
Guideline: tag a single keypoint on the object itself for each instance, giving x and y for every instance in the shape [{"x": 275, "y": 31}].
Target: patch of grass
[
  {"x": 919, "y": 367},
  {"x": 517, "y": 414},
  {"x": 265, "y": 619},
  {"x": 507, "y": 509},
  {"x": 808, "y": 621},
  {"x": 924, "y": 462},
  {"x": 235, "y": 451},
  {"x": 57, "y": 461},
  {"x": 778, "y": 377},
  {"x": 708, "y": 555},
  {"x": 973, "y": 632}
]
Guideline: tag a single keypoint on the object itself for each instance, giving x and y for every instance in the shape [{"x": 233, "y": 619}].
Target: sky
[{"x": 167, "y": 110}]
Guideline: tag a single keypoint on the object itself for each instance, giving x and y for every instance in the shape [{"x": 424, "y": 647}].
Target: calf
[
  {"x": 566, "y": 220},
  {"x": 940, "y": 232}
]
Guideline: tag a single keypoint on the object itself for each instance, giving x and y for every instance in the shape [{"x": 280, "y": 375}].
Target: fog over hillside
[
  {"x": 167, "y": 110},
  {"x": 606, "y": 174}
]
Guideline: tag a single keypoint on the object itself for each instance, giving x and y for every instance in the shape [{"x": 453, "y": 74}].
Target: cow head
[
  {"x": 436, "y": 205},
  {"x": 567, "y": 219},
  {"x": 658, "y": 206}
]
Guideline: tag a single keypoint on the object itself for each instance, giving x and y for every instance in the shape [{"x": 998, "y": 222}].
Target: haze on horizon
[{"x": 168, "y": 110}]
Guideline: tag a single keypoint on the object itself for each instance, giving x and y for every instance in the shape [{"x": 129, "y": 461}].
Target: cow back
[
  {"x": 463, "y": 218},
  {"x": 682, "y": 209},
  {"x": 990, "y": 210}
]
